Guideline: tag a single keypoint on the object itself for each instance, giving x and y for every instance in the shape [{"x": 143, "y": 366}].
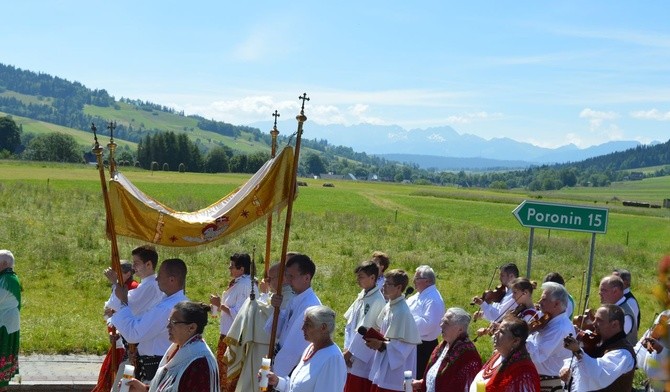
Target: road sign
[{"x": 561, "y": 216}]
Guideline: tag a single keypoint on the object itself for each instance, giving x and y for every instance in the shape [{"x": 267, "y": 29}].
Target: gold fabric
[{"x": 139, "y": 216}]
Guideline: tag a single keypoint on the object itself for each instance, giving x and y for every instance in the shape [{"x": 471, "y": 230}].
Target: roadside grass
[{"x": 53, "y": 220}]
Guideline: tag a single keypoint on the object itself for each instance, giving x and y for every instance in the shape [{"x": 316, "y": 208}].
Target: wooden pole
[
  {"x": 116, "y": 260},
  {"x": 268, "y": 228},
  {"x": 287, "y": 226}
]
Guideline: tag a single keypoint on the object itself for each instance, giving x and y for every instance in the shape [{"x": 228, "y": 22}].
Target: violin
[
  {"x": 537, "y": 324},
  {"x": 490, "y": 296},
  {"x": 657, "y": 331},
  {"x": 585, "y": 320},
  {"x": 585, "y": 330},
  {"x": 490, "y": 330}
]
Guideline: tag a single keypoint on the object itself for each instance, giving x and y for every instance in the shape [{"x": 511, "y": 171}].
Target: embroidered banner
[{"x": 139, "y": 216}]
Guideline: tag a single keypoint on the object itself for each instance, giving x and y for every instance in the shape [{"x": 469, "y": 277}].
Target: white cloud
[
  {"x": 597, "y": 118},
  {"x": 653, "y": 114}
]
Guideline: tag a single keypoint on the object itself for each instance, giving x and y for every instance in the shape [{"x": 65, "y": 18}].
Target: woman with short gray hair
[{"x": 454, "y": 363}]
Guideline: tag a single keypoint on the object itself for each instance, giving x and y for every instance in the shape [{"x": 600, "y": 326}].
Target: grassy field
[{"x": 53, "y": 221}]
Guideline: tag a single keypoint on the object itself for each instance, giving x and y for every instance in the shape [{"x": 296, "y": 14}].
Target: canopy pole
[
  {"x": 287, "y": 226},
  {"x": 116, "y": 260},
  {"x": 268, "y": 229}
]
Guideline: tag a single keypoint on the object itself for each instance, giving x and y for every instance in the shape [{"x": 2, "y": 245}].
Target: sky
[{"x": 546, "y": 73}]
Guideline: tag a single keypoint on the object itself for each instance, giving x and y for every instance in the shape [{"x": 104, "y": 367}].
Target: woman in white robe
[{"x": 322, "y": 366}]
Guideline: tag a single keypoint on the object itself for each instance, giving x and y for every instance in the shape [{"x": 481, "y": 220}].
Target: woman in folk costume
[
  {"x": 396, "y": 351},
  {"x": 321, "y": 368},
  {"x": 510, "y": 368},
  {"x": 10, "y": 305},
  {"x": 104, "y": 376},
  {"x": 454, "y": 363},
  {"x": 363, "y": 312},
  {"x": 188, "y": 365}
]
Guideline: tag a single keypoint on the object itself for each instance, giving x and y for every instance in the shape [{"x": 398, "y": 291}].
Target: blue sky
[{"x": 548, "y": 73}]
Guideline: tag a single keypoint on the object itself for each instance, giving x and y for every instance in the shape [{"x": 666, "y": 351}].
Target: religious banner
[{"x": 139, "y": 216}]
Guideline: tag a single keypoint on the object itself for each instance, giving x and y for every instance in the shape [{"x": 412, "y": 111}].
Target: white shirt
[
  {"x": 592, "y": 374},
  {"x": 546, "y": 346},
  {"x": 148, "y": 329},
  {"x": 492, "y": 312},
  {"x": 627, "y": 319},
  {"x": 364, "y": 311},
  {"x": 142, "y": 298},
  {"x": 427, "y": 308},
  {"x": 291, "y": 339},
  {"x": 233, "y": 298},
  {"x": 325, "y": 371},
  {"x": 632, "y": 302}
]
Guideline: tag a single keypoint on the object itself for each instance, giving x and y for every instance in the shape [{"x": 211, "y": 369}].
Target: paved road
[{"x": 55, "y": 373}]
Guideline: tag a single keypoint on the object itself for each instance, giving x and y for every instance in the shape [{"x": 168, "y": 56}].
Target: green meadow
[{"x": 53, "y": 220}]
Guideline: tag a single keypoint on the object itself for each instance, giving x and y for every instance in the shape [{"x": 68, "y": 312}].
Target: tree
[
  {"x": 54, "y": 147},
  {"x": 217, "y": 161},
  {"x": 10, "y": 134},
  {"x": 314, "y": 164}
]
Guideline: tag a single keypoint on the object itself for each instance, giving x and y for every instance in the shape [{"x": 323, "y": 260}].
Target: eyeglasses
[{"x": 175, "y": 322}]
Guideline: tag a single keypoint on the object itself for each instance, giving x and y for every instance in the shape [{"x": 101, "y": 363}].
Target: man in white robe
[
  {"x": 363, "y": 312},
  {"x": 300, "y": 270},
  {"x": 248, "y": 341},
  {"x": 397, "y": 352}
]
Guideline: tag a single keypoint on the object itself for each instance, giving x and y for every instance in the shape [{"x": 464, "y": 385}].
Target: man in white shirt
[
  {"x": 611, "y": 365},
  {"x": 427, "y": 308},
  {"x": 149, "y": 329},
  {"x": 545, "y": 345},
  {"x": 300, "y": 270},
  {"x": 611, "y": 292},
  {"x": 228, "y": 305},
  {"x": 495, "y": 310}
]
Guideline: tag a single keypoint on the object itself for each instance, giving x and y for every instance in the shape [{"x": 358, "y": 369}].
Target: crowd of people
[{"x": 393, "y": 340}]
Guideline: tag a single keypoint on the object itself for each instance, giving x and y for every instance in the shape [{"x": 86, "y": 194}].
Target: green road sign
[{"x": 561, "y": 216}]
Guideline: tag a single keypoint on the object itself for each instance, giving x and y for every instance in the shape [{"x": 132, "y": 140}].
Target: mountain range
[{"x": 446, "y": 149}]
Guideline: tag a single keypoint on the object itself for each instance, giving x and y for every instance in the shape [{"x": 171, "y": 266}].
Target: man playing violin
[
  {"x": 545, "y": 345},
  {"x": 495, "y": 310},
  {"x": 612, "y": 365},
  {"x": 652, "y": 354}
]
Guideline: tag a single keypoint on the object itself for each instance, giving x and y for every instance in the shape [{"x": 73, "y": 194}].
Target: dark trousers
[{"x": 423, "y": 352}]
